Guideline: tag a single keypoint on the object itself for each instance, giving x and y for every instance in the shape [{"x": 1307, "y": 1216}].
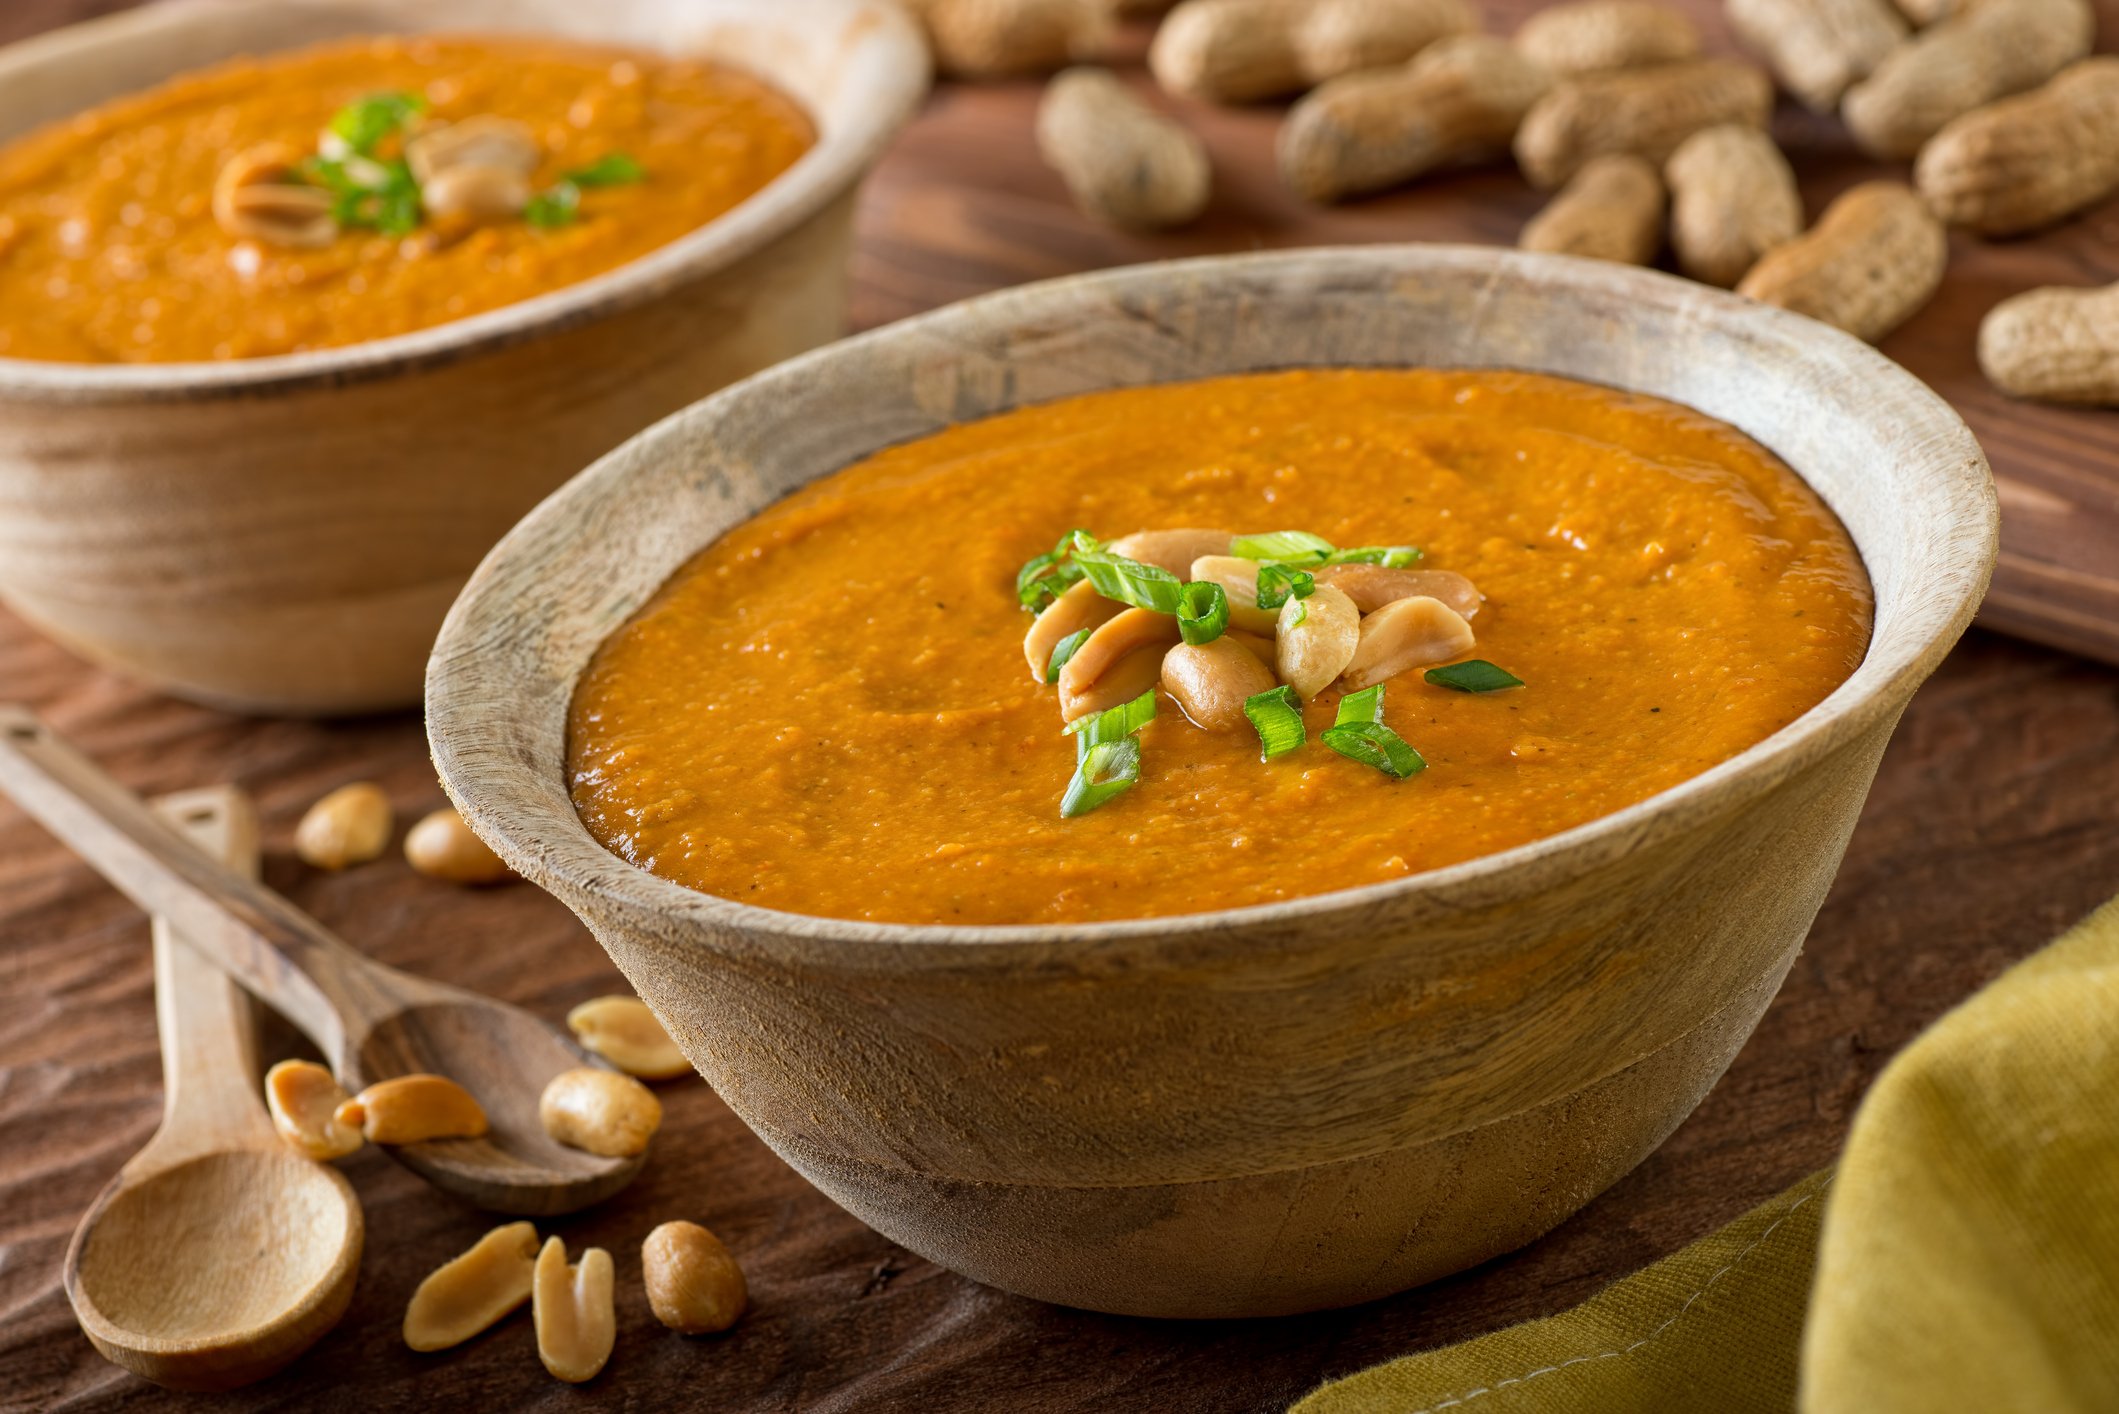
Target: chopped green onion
[
  {"x": 1107, "y": 770},
  {"x": 1473, "y": 675},
  {"x": 1202, "y": 611},
  {"x": 1374, "y": 744},
  {"x": 1298, "y": 546},
  {"x": 1277, "y": 582},
  {"x": 555, "y": 206},
  {"x": 1130, "y": 581},
  {"x": 1042, "y": 579},
  {"x": 1302, "y": 615},
  {"x": 366, "y": 193},
  {"x": 1112, "y": 724},
  {"x": 1063, "y": 650},
  {"x": 613, "y": 169},
  {"x": 1391, "y": 557},
  {"x": 1277, "y": 717},
  {"x": 1363, "y": 706},
  {"x": 363, "y": 124}
]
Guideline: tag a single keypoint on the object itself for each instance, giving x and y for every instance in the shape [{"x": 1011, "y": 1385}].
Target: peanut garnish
[
  {"x": 304, "y": 1099},
  {"x": 624, "y": 1032},
  {"x": 499, "y": 144},
  {"x": 1172, "y": 550},
  {"x": 466, "y": 1295},
  {"x": 1317, "y": 639},
  {"x": 693, "y": 1284},
  {"x": 1405, "y": 634},
  {"x": 1373, "y": 586},
  {"x": 600, "y": 1111},
  {"x": 572, "y": 1305},
  {"x": 1211, "y": 680},
  {"x": 1238, "y": 579},
  {"x": 258, "y": 196},
  {"x": 411, "y": 1109},
  {"x": 475, "y": 194},
  {"x": 442, "y": 846},
  {"x": 1079, "y": 607},
  {"x": 1116, "y": 638},
  {"x": 347, "y": 827}
]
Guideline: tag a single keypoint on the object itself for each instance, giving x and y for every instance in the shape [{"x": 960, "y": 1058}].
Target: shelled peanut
[
  {"x": 1590, "y": 36},
  {"x": 1646, "y": 112},
  {"x": 1990, "y": 51},
  {"x": 1732, "y": 199},
  {"x": 1123, "y": 162},
  {"x": 2026, "y": 162},
  {"x": 1238, "y": 51},
  {"x": 1610, "y": 210},
  {"x": 996, "y": 38},
  {"x": 1871, "y": 261},
  {"x": 1460, "y": 100},
  {"x": 2055, "y": 345},
  {"x": 1817, "y": 48}
]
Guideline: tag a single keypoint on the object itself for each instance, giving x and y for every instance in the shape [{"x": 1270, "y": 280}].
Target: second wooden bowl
[
  {"x": 284, "y": 534},
  {"x": 1270, "y": 1109}
]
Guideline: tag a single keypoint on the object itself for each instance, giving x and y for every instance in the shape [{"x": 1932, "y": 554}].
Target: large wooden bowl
[
  {"x": 284, "y": 534},
  {"x": 1275, "y": 1108}
]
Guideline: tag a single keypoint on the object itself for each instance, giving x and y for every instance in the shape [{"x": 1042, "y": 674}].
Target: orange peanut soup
[
  {"x": 111, "y": 250},
  {"x": 829, "y": 711}
]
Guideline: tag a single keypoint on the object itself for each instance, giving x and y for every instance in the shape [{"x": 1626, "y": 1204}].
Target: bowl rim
[
  {"x": 890, "y": 75},
  {"x": 553, "y": 849}
]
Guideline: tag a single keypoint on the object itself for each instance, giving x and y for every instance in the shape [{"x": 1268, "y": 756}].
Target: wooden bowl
[
  {"x": 1269, "y": 1109},
  {"x": 284, "y": 534}
]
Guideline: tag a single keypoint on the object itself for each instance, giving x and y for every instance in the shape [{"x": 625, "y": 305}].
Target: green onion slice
[
  {"x": 1107, "y": 771},
  {"x": 1130, "y": 581},
  {"x": 1202, "y": 611},
  {"x": 1277, "y": 717},
  {"x": 555, "y": 206},
  {"x": 1063, "y": 650},
  {"x": 1113, "y": 724},
  {"x": 362, "y": 125},
  {"x": 1473, "y": 675},
  {"x": 1374, "y": 744},
  {"x": 1391, "y": 557},
  {"x": 1363, "y": 706},
  {"x": 613, "y": 169},
  {"x": 1277, "y": 582},
  {"x": 1297, "y": 546}
]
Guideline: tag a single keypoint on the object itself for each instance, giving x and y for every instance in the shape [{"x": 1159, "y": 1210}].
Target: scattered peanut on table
[
  {"x": 411, "y": 1109},
  {"x": 574, "y": 1311},
  {"x": 1732, "y": 199},
  {"x": 1123, "y": 162},
  {"x": 1873, "y": 259},
  {"x": 2055, "y": 345},
  {"x": 693, "y": 1285},
  {"x": 2026, "y": 162},
  {"x": 349, "y": 826},
  {"x": 1818, "y": 48},
  {"x": 442, "y": 846},
  {"x": 1238, "y": 51},
  {"x": 997, "y": 38},
  {"x": 473, "y": 1291},
  {"x": 1646, "y": 112},
  {"x": 304, "y": 1099},
  {"x": 624, "y": 1032},
  {"x": 1460, "y": 100},
  {"x": 1592, "y": 35},
  {"x": 1612, "y": 209},
  {"x": 1988, "y": 51},
  {"x": 600, "y": 1111}
]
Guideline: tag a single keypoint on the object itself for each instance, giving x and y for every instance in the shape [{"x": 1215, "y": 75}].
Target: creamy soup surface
[
  {"x": 110, "y": 250},
  {"x": 828, "y": 711}
]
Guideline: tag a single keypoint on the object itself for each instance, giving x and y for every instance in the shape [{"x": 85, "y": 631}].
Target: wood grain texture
[{"x": 1988, "y": 829}]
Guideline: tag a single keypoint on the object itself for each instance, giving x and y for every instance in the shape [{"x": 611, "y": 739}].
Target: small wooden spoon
[
  {"x": 370, "y": 1021},
  {"x": 218, "y": 1253}
]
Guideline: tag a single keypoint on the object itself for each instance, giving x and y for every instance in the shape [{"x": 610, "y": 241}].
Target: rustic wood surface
[{"x": 1990, "y": 827}]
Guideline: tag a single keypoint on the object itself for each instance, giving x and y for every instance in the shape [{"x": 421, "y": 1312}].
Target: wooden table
[{"x": 1991, "y": 826}]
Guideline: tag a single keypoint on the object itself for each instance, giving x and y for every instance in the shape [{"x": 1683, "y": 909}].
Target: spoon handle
[
  {"x": 208, "y": 1029},
  {"x": 277, "y": 951}
]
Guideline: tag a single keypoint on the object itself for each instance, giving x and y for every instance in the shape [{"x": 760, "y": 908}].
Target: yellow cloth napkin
[{"x": 1968, "y": 1258}]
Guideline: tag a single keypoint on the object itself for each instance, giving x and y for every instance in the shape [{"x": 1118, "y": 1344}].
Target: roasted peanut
[
  {"x": 1210, "y": 681},
  {"x": 303, "y": 1099},
  {"x": 600, "y": 1111},
  {"x": 1406, "y": 634},
  {"x": 1732, "y": 199},
  {"x": 1991, "y": 50},
  {"x": 1819, "y": 47},
  {"x": 412, "y": 1109},
  {"x": 1459, "y": 100},
  {"x": 693, "y": 1284},
  {"x": 1079, "y": 606},
  {"x": 1236, "y": 51},
  {"x": 1647, "y": 112},
  {"x": 624, "y": 1032},
  {"x": 1316, "y": 640},
  {"x": 1117, "y": 639},
  {"x": 347, "y": 827},
  {"x": 1612, "y": 209},
  {"x": 484, "y": 141},
  {"x": 574, "y": 1311},
  {"x": 1123, "y": 162},
  {"x": 475, "y": 194},
  {"x": 1258, "y": 645},
  {"x": 1871, "y": 261},
  {"x": 470, "y": 1292},
  {"x": 259, "y": 197},
  {"x": 1592, "y": 35},
  {"x": 2055, "y": 345},
  {"x": 2027, "y": 161},
  {"x": 1373, "y": 586},
  {"x": 442, "y": 846},
  {"x": 1238, "y": 579},
  {"x": 996, "y": 38},
  {"x": 1172, "y": 550}
]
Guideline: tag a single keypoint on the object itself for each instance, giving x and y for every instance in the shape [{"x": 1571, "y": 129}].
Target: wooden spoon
[
  {"x": 218, "y": 1253},
  {"x": 370, "y": 1021}
]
